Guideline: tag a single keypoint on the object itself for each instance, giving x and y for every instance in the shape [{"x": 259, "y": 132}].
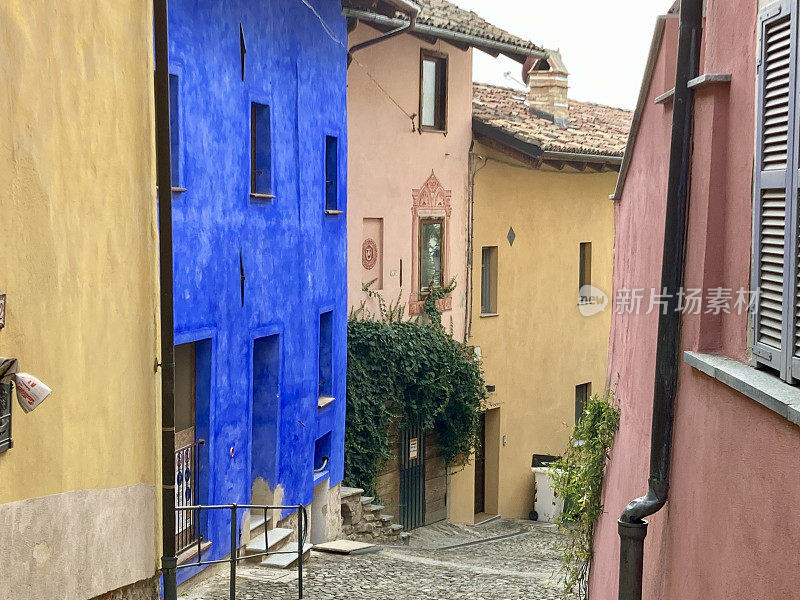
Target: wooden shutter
[
  {"x": 775, "y": 198},
  {"x": 792, "y": 259}
]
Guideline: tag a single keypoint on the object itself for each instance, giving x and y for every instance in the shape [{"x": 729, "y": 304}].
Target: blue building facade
[{"x": 259, "y": 173}]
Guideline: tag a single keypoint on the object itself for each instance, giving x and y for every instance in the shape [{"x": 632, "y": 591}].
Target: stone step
[
  {"x": 277, "y": 538},
  {"x": 375, "y": 508},
  {"x": 387, "y": 518},
  {"x": 365, "y": 500},
  {"x": 284, "y": 561},
  {"x": 396, "y": 527},
  {"x": 257, "y": 520},
  {"x": 346, "y": 492}
]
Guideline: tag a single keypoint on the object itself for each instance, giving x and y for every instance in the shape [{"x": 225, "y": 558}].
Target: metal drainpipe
[
  {"x": 470, "y": 241},
  {"x": 164, "y": 180},
  {"x": 411, "y": 9},
  {"x": 631, "y": 525}
]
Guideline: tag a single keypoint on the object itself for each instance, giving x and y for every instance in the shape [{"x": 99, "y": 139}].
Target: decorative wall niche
[
  {"x": 431, "y": 205},
  {"x": 372, "y": 253}
]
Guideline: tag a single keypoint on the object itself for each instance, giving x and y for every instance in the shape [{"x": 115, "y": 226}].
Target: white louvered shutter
[{"x": 775, "y": 238}]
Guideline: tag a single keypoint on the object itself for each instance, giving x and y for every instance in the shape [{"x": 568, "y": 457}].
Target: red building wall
[{"x": 731, "y": 528}]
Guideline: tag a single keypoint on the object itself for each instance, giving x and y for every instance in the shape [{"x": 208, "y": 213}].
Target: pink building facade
[
  {"x": 731, "y": 525},
  {"x": 410, "y": 133},
  {"x": 402, "y": 175}
]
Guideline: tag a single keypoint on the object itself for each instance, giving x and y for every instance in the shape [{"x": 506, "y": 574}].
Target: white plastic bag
[{"x": 30, "y": 391}]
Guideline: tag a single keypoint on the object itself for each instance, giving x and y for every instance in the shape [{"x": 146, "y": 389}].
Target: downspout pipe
[
  {"x": 169, "y": 559},
  {"x": 409, "y": 8},
  {"x": 631, "y": 525}
]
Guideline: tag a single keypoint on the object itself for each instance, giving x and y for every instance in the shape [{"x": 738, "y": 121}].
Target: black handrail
[{"x": 302, "y": 534}]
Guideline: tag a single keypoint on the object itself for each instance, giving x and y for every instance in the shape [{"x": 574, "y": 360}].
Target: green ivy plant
[
  {"x": 578, "y": 479},
  {"x": 407, "y": 372}
]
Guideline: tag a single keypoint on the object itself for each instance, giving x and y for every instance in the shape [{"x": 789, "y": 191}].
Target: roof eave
[
  {"x": 644, "y": 91},
  {"x": 503, "y": 137},
  {"x": 490, "y": 46},
  {"x": 506, "y": 139},
  {"x": 606, "y": 159}
]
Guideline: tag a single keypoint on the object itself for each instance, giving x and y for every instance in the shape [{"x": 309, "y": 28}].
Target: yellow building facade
[
  {"x": 542, "y": 226},
  {"x": 78, "y": 498}
]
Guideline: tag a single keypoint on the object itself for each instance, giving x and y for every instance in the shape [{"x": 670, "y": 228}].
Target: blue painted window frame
[
  {"x": 325, "y": 361},
  {"x": 175, "y": 129},
  {"x": 331, "y": 173},
  {"x": 260, "y": 150}
]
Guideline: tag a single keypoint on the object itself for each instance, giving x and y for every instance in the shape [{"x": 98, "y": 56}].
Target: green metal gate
[{"x": 412, "y": 477}]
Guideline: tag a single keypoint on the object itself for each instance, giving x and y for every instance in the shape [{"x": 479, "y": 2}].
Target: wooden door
[{"x": 480, "y": 467}]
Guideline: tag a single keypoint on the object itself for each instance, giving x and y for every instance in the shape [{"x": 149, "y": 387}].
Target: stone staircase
[
  {"x": 276, "y": 540},
  {"x": 364, "y": 521}
]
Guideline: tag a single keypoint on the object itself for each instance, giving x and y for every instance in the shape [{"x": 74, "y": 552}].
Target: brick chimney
[{"x": 547, "y": 80}]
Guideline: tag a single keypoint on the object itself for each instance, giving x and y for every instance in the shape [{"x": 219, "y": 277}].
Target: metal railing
[
  {"x": 6, "y": 441},
  {"x": 302, "y": 531},
  {"x": 187, "y": 525}
]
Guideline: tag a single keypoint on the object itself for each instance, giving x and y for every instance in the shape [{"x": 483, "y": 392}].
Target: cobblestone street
[{"x": 501, "y": 560}]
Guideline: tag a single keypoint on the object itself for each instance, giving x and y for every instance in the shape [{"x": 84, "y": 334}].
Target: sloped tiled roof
[
  {"x": 444, "y": 15},
  {"x": 593, "y": 128}
]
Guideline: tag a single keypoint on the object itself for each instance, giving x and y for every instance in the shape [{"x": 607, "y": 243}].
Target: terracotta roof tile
[
  {"x": 593, "y": 128},
  {"x": 448, "y": 16}
]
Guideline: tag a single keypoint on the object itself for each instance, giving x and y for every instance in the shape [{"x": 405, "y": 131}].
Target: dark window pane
[
  {"x": 260, "y": 149},
  {"x": 174, "y": 130},
  {"x": 326, "y": 354},
  {"x": 331, "y": 172},
  {"x": 582, "y": 393},
  {"x": 585, "y": 268}
]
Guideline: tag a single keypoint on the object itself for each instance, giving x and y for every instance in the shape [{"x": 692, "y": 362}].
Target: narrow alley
[{"x": 505, "y": 559}]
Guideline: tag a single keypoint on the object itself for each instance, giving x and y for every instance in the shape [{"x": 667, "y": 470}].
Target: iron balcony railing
[
  {"x": 233, "y": 558},
  {"x": 187, "y": 525}
]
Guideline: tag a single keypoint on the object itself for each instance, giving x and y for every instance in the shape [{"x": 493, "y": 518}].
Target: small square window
[
  {"x": 433, "y": 91},
  {"x": 260, "y": 150},
  {"x": 331, "y": 173}
]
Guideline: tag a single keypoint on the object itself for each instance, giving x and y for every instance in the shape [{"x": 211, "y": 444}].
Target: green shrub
[
  {"x": 407, "y": 372},
  {"x": 578, "y": 479}
]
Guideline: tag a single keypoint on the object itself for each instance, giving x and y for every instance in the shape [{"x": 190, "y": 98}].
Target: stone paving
[{"x": 502, "y": 560}]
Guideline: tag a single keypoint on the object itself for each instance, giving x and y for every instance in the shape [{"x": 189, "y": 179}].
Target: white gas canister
[{"x": 547, "y": 505}]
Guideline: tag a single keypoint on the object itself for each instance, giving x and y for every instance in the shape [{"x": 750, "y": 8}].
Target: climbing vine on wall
[
  {"x": 578, "y": 479},
  {"x": 407, "y": 372}
]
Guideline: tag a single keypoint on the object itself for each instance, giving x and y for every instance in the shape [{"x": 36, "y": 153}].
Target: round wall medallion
[{"x": 369, "y": 254}]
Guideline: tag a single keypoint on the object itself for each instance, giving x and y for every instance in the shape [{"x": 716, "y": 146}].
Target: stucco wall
[
  {"x": 727, "y": 530},
  {"x": 77, "y": 545},
  {"x": 79, "y": 267},
  {"x": 387, "y": 160},
  {"x": 292, "y": 253},
  {"x": 539, "y": 346}
]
